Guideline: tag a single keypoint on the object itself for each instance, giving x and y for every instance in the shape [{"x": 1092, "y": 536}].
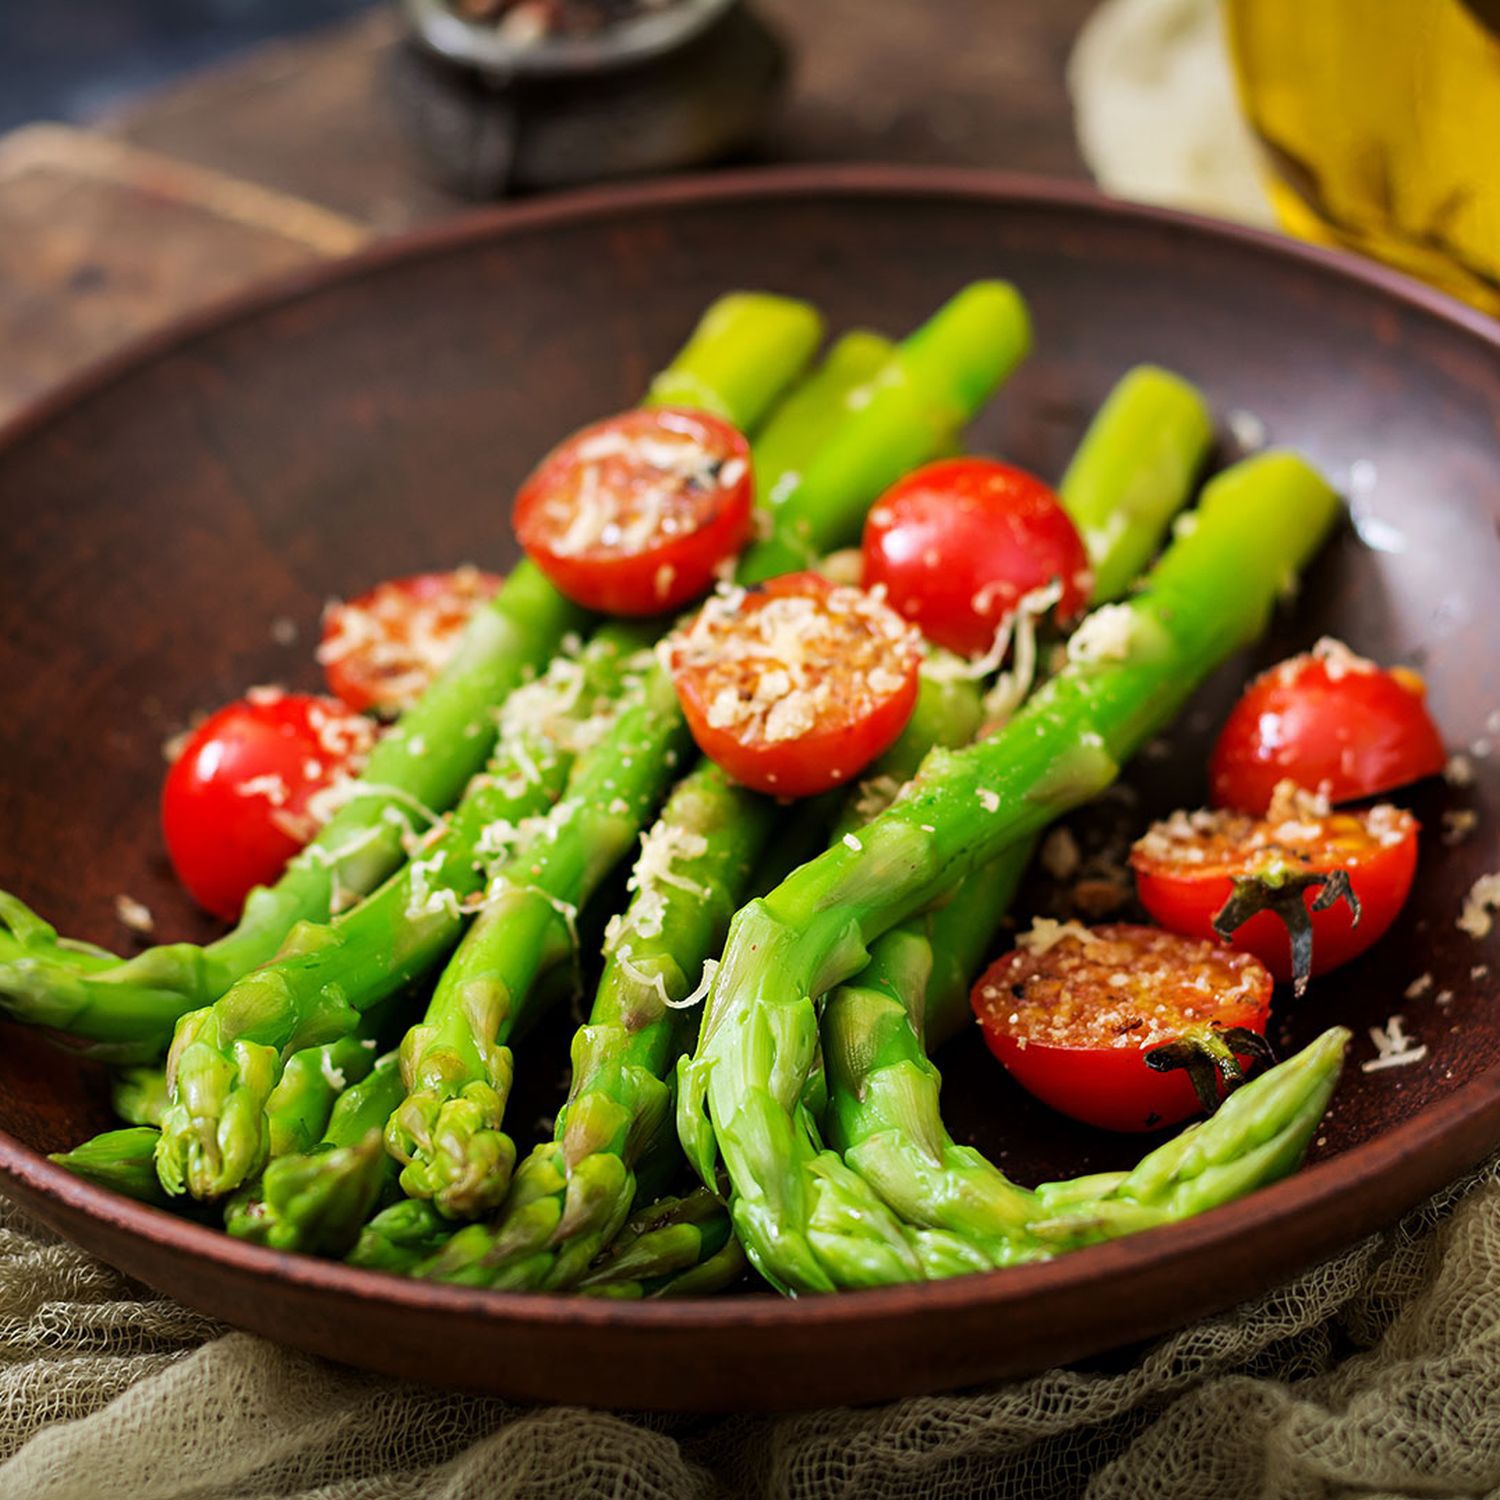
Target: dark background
[{"x": 75, "y": 59}]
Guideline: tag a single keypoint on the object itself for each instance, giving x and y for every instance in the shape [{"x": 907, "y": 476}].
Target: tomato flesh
[
  {"x": 635, "y": 515},
  {"x": 959, "y": 543},
  {"x": 1331, "y": 722},
  {"x": 796, "y": 686},
  {"x": 381, "y": 650},
  {"x": 1074, "y": 1015},
  {"x": 235, "y": 805},
  {"x": 1185, "y": 869}
]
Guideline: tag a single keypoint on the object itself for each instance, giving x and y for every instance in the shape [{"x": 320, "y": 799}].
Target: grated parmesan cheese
[
  {"x": 135, "y": 915},
  {"x": 333, "y": 1076},
  {"x": 1045, "y": 933},
  {"x": 1105, "y": 635},
  {"x": 1418, "y": 987},
  {"x": 763, "y": 669},
  {"x": 710, "y": 968},
  {"x": 1393, "y": 1047},
  {"x": 1459, "y": 771},
  {"x": 1483, "y": 900}
]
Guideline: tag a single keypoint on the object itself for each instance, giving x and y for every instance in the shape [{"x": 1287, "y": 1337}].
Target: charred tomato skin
[
  {"x": 609, "y": 466},
  {"x": 959, "y": 543},
  {"x": 1087, "y": 1068}
]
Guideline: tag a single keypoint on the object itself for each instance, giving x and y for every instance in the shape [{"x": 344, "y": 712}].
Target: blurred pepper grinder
[{"x": 504, "y": 95}]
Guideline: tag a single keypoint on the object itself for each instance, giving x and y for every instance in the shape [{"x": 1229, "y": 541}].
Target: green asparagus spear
[
  {"x": 401, "y": 1237},
  {"x": 139, "y": 1095},
  {"x": 318, "y": 1201},
  {"x": 121, "y": 1160},
  {"x": 916, "y": 405},
  {"x": 1132, "y": 472},
  {"x": 573, "y": 1193},
  {"x": 745, "y": 351},
  {"x": 457, "y": 1064},
  {"x": 1130, "y": 667},
  {"x": 1257, "y": 1135},
  {"x": 226, "y": 1057},
  {"x": 678, "y": 1247}
]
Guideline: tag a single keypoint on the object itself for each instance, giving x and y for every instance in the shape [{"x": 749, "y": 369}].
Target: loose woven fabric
[{"x": 1376, "y": 1374}]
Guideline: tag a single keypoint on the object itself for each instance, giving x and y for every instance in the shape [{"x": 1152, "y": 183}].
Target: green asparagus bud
[
  {"x": 745, "y": 351},
  {"x": 121, "y": 1160},
  {"x": 1129, "y": 668}
]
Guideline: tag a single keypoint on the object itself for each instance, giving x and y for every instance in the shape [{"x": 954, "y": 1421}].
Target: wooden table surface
[{"x": 291, "y": 152}]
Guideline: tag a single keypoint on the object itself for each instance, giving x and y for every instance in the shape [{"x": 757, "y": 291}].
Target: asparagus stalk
[
  {"x": 318, "y": 1201},
  {"x": 1133, "y": 470},
  {"x": 573, "y": 1193},
  {"x": 1257, "y": 1135},
  {"x": 225, "y": 1058},
  {"x": 139, "y": 1095},
  {"x": 401, "y": 1237},
  {"x": 298, "y": 1109},
  {"x": 679, "y": 1247},
  {"x": 745, "y": 351},
  {"x": 120, "y": 1160},
  {"x": 447, "y": 1132},
  {"x": 911, "y": 411},
  {"x": 1210, "y": 593}
]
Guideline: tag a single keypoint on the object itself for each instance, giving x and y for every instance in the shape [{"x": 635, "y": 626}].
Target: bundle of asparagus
[{"x": 467, "y": 854}]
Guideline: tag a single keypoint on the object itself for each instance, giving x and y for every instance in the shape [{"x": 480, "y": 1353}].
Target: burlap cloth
[{"x": 1375, "y": 1374}]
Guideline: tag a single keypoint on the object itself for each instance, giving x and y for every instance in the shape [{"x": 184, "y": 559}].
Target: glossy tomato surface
[
  {"x": 796, "y": 686},
  {"x": 381, "y": 650},
  {"x": 1185, "y": 870},
  {"x": 235, "y": 807},
  {"x": 634, "y": 515},
  {"x": 959, "y": 543},
  {"x": 1329, "y": 721},
  {"x": 1074, "y": 1015}
]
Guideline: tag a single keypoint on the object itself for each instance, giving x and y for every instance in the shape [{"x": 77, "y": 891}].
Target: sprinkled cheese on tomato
[
  {"x": 382, "y": 649},
  {"x": 635, "y": 515},
  {"x": 796, "y": 686}
]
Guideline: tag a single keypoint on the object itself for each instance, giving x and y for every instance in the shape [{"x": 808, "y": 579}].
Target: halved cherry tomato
[
  {"x": 1185, "y": 870},
  {"x": 235, "y": 806},
  {"x": 1074, "y": 1011},
  {"x": 958, "y": 544},
  {"x": 1331, "y": 722},
  {"x": 795, "y": 686},
  {"x": 380, "y": 651},
  {"x": 634, "y": 515}
]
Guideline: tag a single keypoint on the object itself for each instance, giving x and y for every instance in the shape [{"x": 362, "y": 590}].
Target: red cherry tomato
[
  {"x": 1185, "y": 868},
  {"x": 1329, "y": 721},
  {"x": 234, "y": 807},
  {"x": 958, "y": 544},
  {"x": 1074, "y": 1013},
  {"x": 797, "y": 685},
  {"x": 380, "y": 651},
  {"x": 634, "y": 515}
]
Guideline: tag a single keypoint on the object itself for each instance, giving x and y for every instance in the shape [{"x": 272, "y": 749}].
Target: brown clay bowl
[{"x": 372, "y": 419}]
